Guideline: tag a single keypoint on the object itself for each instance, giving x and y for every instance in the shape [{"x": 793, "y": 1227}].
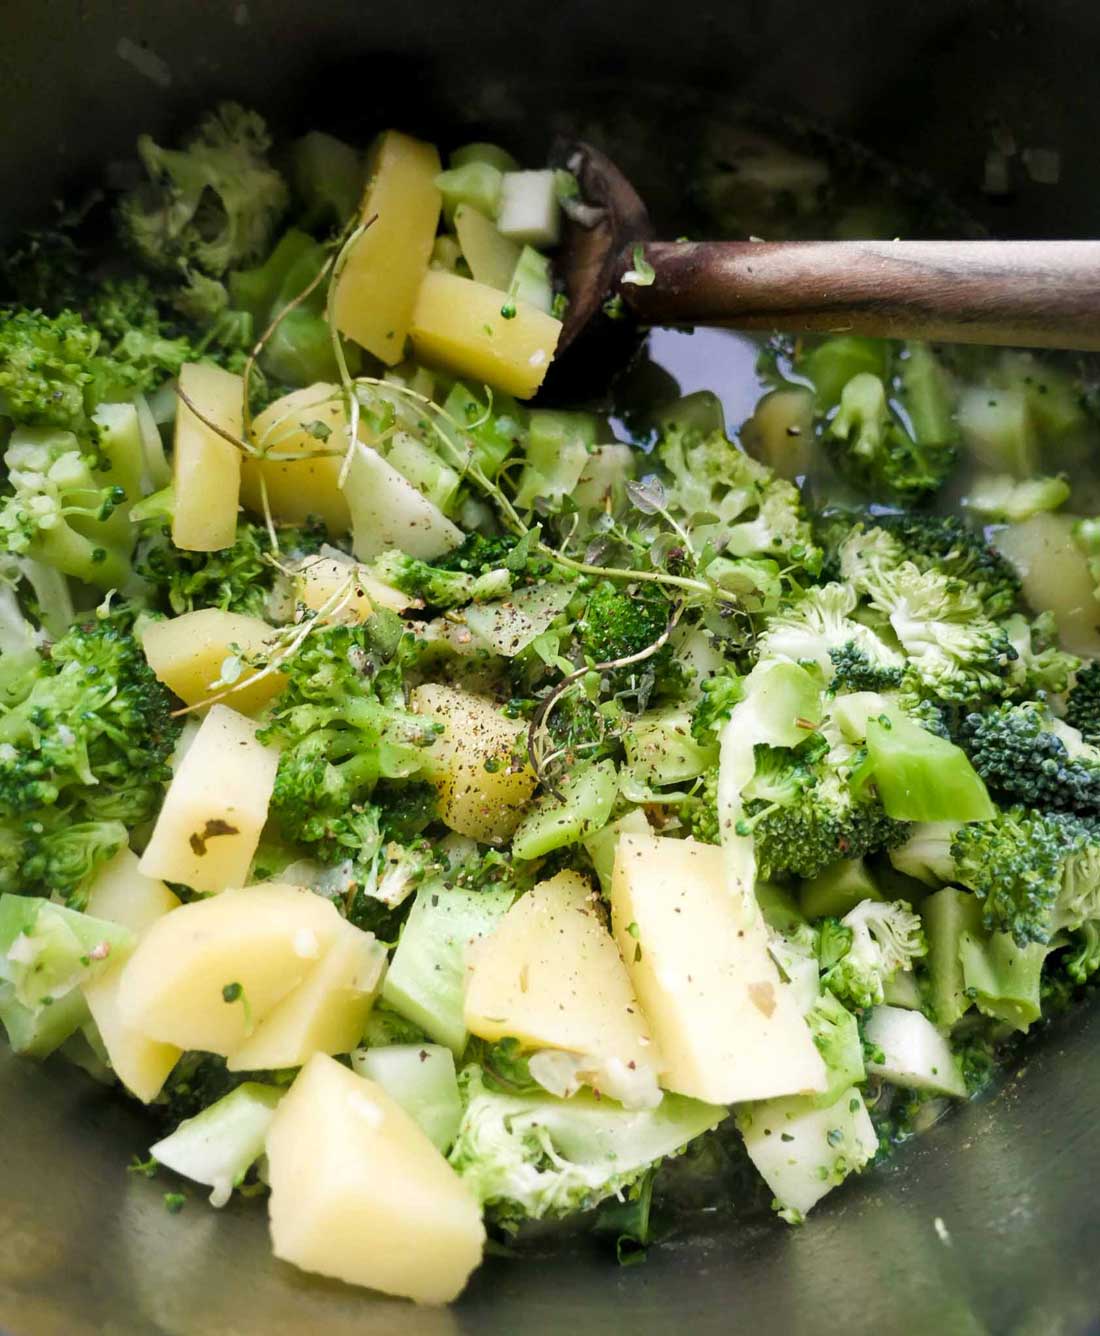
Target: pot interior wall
[{"x": 86, "y": 1247}]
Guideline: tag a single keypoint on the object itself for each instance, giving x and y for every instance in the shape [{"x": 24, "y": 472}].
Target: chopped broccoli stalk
[
  {"x": 911, "y": 1053},
  {"x": 999, "y": 498},
  {"x": 218, "y": 1146},
  {"x": 489, "y": 431},
  {"x": 949, "y": 915},
  {"x": 422, "y": 1079},
  {"x": 477, "y": 183},
  {"x": 493, "y": 154},
  {"x": 927, "y": 397},
  {"x": 427, "y": 977},
  {"x": 1002, "y": 977},
  {"x": 588, "y": 793},
  {"x": 837, "y": 889},
  {"x": 528, "y": 1157},
  {"x": 832, "y": 364},
  {"x": 531, "y": 281},
  {"x": 922, "y": 777},
  {"x": 558, "y": 446},
  {"x": 601, "y": 845},
  {"x": 326, "y": 176},
  {"x": 998, "y": 431},
  {"x": 660, "y": 749},
  {"x": 213, "y": 203}
]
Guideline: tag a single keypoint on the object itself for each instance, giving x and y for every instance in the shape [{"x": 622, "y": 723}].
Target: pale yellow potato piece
[
  {"x": 326, "y": 1013},
  {"x": 1055, "y": 577},
  {"x": 187, "y": 652},
  {"x": 318, "y": 583},
  {"x": 492, "y": 258},
  {"x": 359, "y": 1192},
  {"x": 121, "y": 894},
  {"x": 485, "y": 804},
  {"x": 215, "y": 807},
  {"x": 300, "y": 488},
  {"x": 265, "y": 938},
  {"x": 457, "y": 324},
  {"x": 376, "y": 292},
  {"x": 551, "y": 976},
  {"x": 206, "y": 468},
  {"x": 727, "y": 1027}
]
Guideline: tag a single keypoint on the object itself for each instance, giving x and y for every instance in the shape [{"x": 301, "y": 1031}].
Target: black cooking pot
[{"x": 990, "y": 1223}]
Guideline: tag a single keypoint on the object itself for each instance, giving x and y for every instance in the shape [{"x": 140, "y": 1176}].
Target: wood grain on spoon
[{"x": 1043, "y": 294}]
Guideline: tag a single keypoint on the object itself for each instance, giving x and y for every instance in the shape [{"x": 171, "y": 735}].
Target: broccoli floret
[
  {"x": 854, "y": 669},
  {"x": 718, "y": 696},
  {"x": 527, "y": 1157},
  {"x": 619, "y": 621},
  {"x": 819, "y": 628},
  {"x": 1025, "y": 754},
  {"x": 214, "y": 203},
  {"x": 999, "y": 498},
  {"x": 1018, "y": 865},
  {"x": 1083, "y": 704},
  {"x": 700, "y": 811},
  {"x": 734, "y": 502},
  {"x": 440, "y": 587},
  {"x": 867, "y": 947},
  {"x": 948, "y": 546},
  {"x": 236, "y": 579},
  {"x": 876, "y": 451},
  {"x": 956, "y": 652},
  {"x": 83, "y": 755},
  {"x": 342, "y": 726},
  {"x": 1040, "y": 664},
  {"x": 478, "y": 555},
  {"x": 48, "y": 369}
]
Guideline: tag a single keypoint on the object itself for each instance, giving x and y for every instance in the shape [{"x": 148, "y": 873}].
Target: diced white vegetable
[
  {"x": 914, "y": 1053},
  {"x": 529, "y": 209},
  {"x": 359, "y": 1192},
  {"x": 219, "y": 1145},
  {"x": 421, "y": 1078},
  {"x": 727, "y": 1026},
  {"x": 387, "y": 511},
  {"x": 803, "y": 1152},
  {"x": 507, "y": 627},
  {"x": 215, "y": 807},
  {"x": 1055, "y": 577}
]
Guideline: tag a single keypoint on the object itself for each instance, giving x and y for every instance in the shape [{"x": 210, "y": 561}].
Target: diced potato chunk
[
  {"x": 727, "y": 1026},
  {"x": 206, "y": 468},
  {"x": 326, "y": 1013},
  {"x": 187, "y": 652},
  {"x": 215, "y": 807},
  {"x": 377, "y": 290},
  {"x": 1055, "y": 577},
  {"x": 121, "y": 894},
  {"x": 550, "y": 976},
  {"x": 457, "y": 324},
  {"x": 478, "y": 764},
  {"x": 492, "y": 258},
  {"x": 258, "y": 943},
  {"x": 322, "y": 582},
  {"x": 359, "y": 1192},
  {"x": 388, "y": 511},
  {"x": 305, "y": 422}
]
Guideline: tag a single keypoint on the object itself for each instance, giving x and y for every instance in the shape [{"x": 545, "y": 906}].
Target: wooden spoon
[{"x": 1035, "y": 294}]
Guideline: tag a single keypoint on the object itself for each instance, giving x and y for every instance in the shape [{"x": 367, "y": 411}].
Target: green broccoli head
[
  {"x": 875, "y": 450},
  {"x": 342, "y": 726},
  {"x": 733, "y": 502},
  {"x": 1029, "y": 757},
  {"x": 1083, "y": 704},
  {"x": 47, "y": 368},
  {"x": 868, "y": 946},
  {"x": 1017, "y": 863},
  {"x": 819, "y": 628},
  {"x": 214, "y": 203},
  {"x": 440, "y": 587}
]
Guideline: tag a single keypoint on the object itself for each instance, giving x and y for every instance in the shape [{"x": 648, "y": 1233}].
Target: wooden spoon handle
[{"x": 1042, "y": 294}]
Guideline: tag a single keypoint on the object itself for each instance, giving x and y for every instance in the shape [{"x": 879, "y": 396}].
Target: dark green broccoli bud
[
  {"x": 342, "y": 726},
  {"x": 855, "y": 670},
  {"x": 700, "y": 811},
  {"x": 621, "y": 620},
  {"x": 1017, "y": 751},
  {"x": 214, "y": 203},
  {"x": 719, "y": 695},
  {"x": 1016, "y": 864},
  {"x": 237, "y": 579},
  {"x": 1083, "y": 704},
  {"x": 479, "y": 554},
  {"x": 83, "y": 754}
]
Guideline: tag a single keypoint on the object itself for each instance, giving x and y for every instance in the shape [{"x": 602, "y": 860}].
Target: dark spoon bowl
[{"x": 988, "y": 1224}]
